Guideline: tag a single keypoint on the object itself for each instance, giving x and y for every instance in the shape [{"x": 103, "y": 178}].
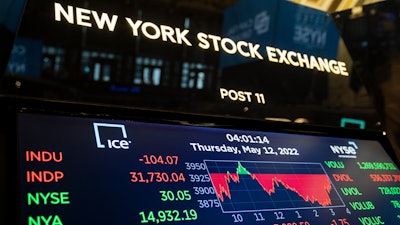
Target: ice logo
[
  {"x": 115, "y": 140},
  {"x": 261, "y": 22}
]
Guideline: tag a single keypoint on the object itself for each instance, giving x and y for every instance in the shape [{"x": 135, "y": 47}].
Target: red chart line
[{"x": 314, "y": 188}]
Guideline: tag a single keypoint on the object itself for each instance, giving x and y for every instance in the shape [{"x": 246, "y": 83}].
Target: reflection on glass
[{"x": 179, "y": 55}]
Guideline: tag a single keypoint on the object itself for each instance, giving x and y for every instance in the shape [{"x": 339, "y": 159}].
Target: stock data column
[
  {"x": 367, "y": 181},
  {"x": 384, "y": 178},
  {"x": 163, "y": 177}
]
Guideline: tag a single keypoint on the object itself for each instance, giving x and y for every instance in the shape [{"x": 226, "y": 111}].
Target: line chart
[{"x": 243, "y": 186}]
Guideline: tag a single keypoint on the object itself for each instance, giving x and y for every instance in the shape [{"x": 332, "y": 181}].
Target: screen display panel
[{"x": 91, "y": 170}]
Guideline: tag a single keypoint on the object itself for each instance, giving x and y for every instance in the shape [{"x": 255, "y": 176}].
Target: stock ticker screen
[{"x": 84, "y": 170}]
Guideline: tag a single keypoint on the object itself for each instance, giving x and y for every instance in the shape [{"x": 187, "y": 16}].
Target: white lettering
[
  {"x": 152, "y": 31},
  {"x": 204, "y": 44},
  {"x": 282, "y": 56},
  {"x": 271, "y": 54},
  {"x": 167, "y": 33},
  {"x": 58, "y": 9},
  {"x": 228, "y": 45},
  {"x": 306, "y": 35},
  {"x": 240, "y": 49},
  {"x": 232, "y": 44},
  {"x": 156, "y": 34},
  {"x": 181, "y": 36},
  {"x": 118, "y": 144},
  {"x": 82, "y": 17},
  {"x": 303, "y": 60},
  {"x": 135, "y": 26},
  {"x": 214, "y": 148},
  {"x": 342, "y": 68},
  {"x": 254, "y": 51},
  {"x": 290, "y": 56},
  {"x": 235, "y": 95},
  {"x": 333, "y": 66},
  {"x": 324, "y": 64},
  {"x": 105, "y": 19},
  {"x": 215, "y": 40},
  {"x": 314, "y": 63}
]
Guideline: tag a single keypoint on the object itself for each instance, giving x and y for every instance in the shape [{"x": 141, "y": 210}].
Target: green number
[
  {"x": 193, "y": 213},
  {"x": 190, "y": 214},
  {"x": 181, "y": 195},
  {"x": 167, "y": 216},
  {"x": 162, "y": 216},
  {"x": 164, "y": 196},
  {"x": 143, "y": 220},
  {"x": 149, "y": 218}
]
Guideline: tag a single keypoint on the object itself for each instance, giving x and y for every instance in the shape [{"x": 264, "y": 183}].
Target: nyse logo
[
  {"x": 345, "y": 151},
  {"x": 111, "y": 136}
]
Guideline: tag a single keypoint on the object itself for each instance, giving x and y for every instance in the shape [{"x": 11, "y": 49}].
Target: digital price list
[{"x": 76, "y": 170}]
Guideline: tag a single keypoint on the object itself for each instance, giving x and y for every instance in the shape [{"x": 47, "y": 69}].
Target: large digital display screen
[{"x": 90, "y": 170}]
